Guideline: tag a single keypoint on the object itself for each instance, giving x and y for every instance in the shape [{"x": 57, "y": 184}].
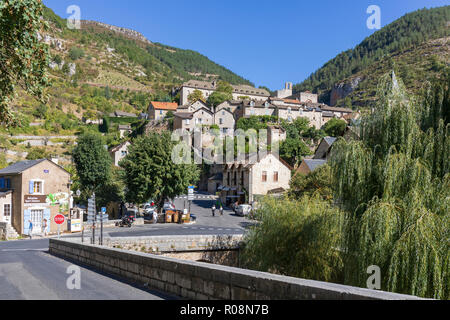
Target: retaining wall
[{"x": 202, "y": 281}]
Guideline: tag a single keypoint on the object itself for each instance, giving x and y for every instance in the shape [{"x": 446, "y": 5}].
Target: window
[
  {"x": 223, "y": 113},
  {"x": 264, "y": 176},
  {"x": 275, "y": 176},
  {"x": 220, "y": 121},
  {"x": 160, "y": 112},
  {"x": 188, "y": 122},
  {"x": 289, "y": 110},
  {"x": 36, "y": 187},
  {"x": 7, "y": 210},
  {"x": 124, "y": 153}
]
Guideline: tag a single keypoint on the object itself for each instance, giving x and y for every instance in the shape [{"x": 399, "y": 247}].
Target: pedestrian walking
[
  {"x": 30, "y": 229},
  {"x": 44, "y": 228},
  {"x": 221, "y": 210},
  {"x": 155, "y": 217},
  {"x": 213, "y": 210}
]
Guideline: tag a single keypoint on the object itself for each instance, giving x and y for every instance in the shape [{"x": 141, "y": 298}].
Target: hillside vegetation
[
  {"x": 416, "y": 46},
  {"x": 95, "y": 71}
]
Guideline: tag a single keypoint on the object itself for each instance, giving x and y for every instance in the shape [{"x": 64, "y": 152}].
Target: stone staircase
[{"x": 11, "y": 233}]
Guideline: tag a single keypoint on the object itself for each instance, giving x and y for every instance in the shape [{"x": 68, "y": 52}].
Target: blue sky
[{"x": 266, "y": 42}]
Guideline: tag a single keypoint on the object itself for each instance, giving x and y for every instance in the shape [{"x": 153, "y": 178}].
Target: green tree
[
  {"x": 23, "y": 57},
  {"x": 195, "y": 96},
  {"x": 320, "y": 182},
  {"x": 296, "y": 238},
  {"x": 41, "y": 111},
  {"x": 92, "y": 161},
  {"x": 150, "y": 173},
  {"x": 293, "y": 150},
  {"x": 36, "y": 154},
  {"x": 224, "y": 92},
  {"x": 394, "y": 185},
  {"x": 335, "y": 127},
  {"x": 76, "y": 53}
]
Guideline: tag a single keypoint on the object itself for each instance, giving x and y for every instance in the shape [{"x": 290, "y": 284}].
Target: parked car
[
  {"x": 243, "y": 209},
  {"x": 168, "y": 206},
  {"x": 149, "y": 209}
]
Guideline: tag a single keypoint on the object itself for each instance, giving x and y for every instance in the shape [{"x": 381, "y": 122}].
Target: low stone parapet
[{"x": 202, "y": 281}]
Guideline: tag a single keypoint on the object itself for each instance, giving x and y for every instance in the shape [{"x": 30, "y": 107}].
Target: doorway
[
  {"x": 7, "y": 213},
  {"x": 37, "y": 216}
]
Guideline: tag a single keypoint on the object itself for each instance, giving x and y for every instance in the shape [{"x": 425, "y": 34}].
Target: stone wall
[
  {"x": 2, "y": 231},
  {"x": 202, "y": 281}
]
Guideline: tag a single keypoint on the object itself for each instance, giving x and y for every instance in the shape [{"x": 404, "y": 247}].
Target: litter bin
[
  {"x": 169, "y": 216},
  {"x": 176, "y": 217}
]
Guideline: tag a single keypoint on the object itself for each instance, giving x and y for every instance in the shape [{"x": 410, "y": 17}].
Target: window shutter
[
  {"x": 2, "y": 183},
  {"x": 8, "y": 183},
  {"x": 26, "y": 222},
  {"x": 31, "y": 187},
  {"x": 47, "y": 216}
]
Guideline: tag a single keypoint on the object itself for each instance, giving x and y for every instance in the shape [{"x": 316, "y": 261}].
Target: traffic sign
[
  {"x": 59, "y": 219},
  {"x": 103, "y": 217},
  {"x": 191, "y": 193}
]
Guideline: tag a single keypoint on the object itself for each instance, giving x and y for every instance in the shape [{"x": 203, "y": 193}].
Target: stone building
[
  {"x": 245, "y": 181},
  {"x": 190, "y": 120},
  {"x": 256, "y": 108},
  {"x": 119, "y": 152},
  {"x": 286, "y": 92},
  {"x": 40, "y": 189},
  {"x": 207, "y": 88},
  {"x": 224, "y": 118},
  {"x": 309, "y": 165},
  {"x": 158, "y": 110},
  {"x": 305, "y": 97},
  {"x": 124, "y": 129}
]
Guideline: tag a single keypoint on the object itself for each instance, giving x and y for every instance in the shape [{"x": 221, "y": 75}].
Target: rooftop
[
  {"x": 242, "y": 89},
  {"x": 20, "y": 167},
  {"x": 173, "y": 106},
  {"x": 313, "y": 164}
]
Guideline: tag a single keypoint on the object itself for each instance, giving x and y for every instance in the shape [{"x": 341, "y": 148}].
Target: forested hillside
[{"x": 416, "y": 46}]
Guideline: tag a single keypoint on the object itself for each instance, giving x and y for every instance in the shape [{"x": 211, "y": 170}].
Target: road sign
[
  {"x": 103, "y": 210},
  {"x": 59, "y": 219},
  {"x": 103, "y": 217},
  {"x": 191, "y": 193}
]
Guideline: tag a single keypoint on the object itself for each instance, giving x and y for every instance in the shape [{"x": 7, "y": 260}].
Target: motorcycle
[{"x": 126, "y": 222}]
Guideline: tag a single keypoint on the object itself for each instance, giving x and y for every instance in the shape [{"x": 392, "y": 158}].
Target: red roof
[
  {"x": 164, "y": 105},
  {"x": 292, "y": 101}
]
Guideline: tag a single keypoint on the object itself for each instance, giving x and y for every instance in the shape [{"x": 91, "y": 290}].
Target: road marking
[{"x": 22, "y": 250}]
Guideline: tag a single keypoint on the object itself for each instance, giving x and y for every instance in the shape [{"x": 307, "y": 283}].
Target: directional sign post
[
  {"x": 91, "y": 216},
  {"x": 190, "y": 196}
]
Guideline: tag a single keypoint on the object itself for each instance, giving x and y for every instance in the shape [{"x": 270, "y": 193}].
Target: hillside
[
  {"x": 95, "y": 71},
  {"x": 416, "y": 46}
]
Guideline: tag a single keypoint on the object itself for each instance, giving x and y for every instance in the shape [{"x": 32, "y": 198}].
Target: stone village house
[
  {"x": 245, "y": 181},
  {"x": 34, "y": 190},
  {"x": 119, "y": 152},
  {"x": 158, "y": 110}
]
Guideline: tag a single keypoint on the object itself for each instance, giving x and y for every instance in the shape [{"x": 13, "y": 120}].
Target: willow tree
[{"x": 394, "y": 186}]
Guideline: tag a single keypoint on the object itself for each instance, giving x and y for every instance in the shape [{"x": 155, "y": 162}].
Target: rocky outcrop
[
  {"x": 343, "y": 89},
  {"x": 123, "y": 31}
]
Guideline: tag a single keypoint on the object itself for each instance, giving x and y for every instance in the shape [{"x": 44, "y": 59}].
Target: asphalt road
[
  {"x": 205, "y": 224},
  {"x": 28, "y": 272}
]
